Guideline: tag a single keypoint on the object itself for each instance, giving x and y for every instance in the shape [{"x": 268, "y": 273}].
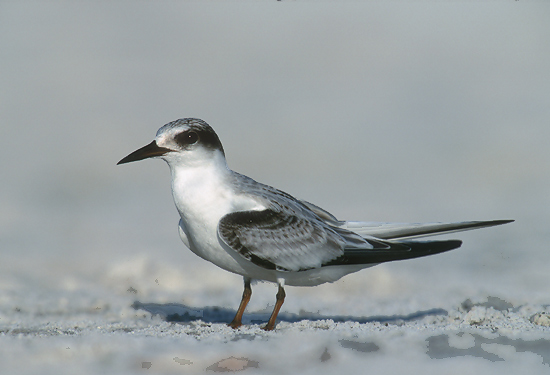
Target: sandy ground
[{"x": 126, "y": 322}]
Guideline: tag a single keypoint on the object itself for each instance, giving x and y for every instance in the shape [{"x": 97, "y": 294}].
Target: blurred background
[{"x": 403, "y": 112}]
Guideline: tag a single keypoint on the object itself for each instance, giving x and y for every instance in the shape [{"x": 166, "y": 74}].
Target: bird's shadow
[{"x": 179, "y": 313}]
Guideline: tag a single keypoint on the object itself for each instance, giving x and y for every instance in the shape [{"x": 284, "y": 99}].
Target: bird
[{"x": 264, "y": 234}]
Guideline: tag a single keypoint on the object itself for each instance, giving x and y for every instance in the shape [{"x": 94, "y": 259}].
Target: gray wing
[
  {"x": 285, "y": 241},
  {"x": 323, "y": 214},
  {"x": 393, "y": 231},
  {"x": 293, "y": 235}
]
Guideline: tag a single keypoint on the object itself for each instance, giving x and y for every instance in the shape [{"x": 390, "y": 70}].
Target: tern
[{"x": 263, "y": 233}]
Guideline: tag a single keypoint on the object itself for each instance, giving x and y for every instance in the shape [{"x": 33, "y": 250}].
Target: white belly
[{"x": 201, "y": 206}]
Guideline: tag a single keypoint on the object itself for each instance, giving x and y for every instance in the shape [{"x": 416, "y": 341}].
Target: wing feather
[
  {"x": 393, "y": 231},
  {"x": 294, "y": 235},
  {"x": 276, "y": 240}
]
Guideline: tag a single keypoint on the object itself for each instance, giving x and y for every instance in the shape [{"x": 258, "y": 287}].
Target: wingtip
[{"x": 501, "y": 222}]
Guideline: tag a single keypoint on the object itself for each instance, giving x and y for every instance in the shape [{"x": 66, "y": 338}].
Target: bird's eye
[
  {"x": 187, "y": 138},
  {"x": 192, "y": 137}
]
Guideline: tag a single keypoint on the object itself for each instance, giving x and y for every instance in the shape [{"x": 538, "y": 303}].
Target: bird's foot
[
  {"x": 268, "y": 327},
  {"x": 235, "y": 324}
]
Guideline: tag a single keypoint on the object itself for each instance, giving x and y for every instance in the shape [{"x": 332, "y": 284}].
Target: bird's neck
[{"x": 202, "y": 190}]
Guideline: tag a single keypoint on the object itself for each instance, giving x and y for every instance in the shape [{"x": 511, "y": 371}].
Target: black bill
[{"x": 149, "y": 151}]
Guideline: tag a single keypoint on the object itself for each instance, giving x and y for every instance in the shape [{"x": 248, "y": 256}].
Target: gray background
[{"x": 382, "y": 112}]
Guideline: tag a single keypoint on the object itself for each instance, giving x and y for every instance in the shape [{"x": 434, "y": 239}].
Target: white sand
[{"x": 91, "y": 328}]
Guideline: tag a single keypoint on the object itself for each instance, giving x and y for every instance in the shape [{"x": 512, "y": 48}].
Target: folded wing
[
  {"x": 393, "y": 231},
  {"x": 288, "y": 242}
]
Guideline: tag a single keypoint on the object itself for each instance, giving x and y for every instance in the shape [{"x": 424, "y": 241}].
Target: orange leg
[
  {"x": 280, "y": 300},
  {"x": 236, "y": 323}
]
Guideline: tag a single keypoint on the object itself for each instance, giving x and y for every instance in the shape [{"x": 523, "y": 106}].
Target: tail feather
[
  {"x": 396, "y": 251},
  {"x": 392, "y": 241}
]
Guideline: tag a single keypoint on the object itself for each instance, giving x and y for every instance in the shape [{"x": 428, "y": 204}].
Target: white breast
[{"x": 203, "y": 196}]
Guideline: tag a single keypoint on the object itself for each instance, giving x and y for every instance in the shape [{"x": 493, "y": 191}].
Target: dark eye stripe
[
  {"x": 206, "y": 137},
  {"x": 187, "y": 138}
]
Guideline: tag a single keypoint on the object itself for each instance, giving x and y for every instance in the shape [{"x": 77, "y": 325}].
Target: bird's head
[{"x": 186, "y": 141}]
